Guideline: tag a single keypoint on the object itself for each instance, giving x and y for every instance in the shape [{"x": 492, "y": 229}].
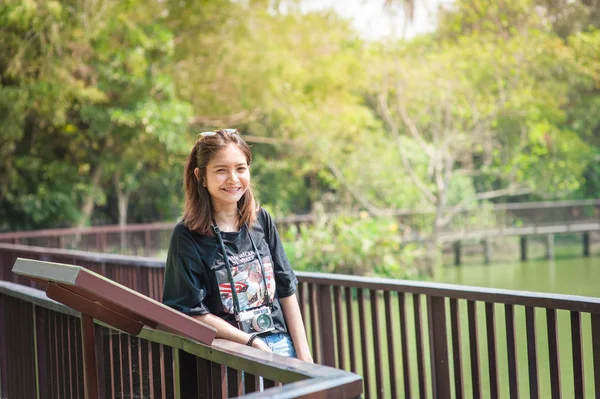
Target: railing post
[
  {"x": 457, "y": 253},
  {"x": 326, "y": 325},
  {"x": 586, "y": 244},
  {"x": 438, "y": 347},
  {"x": 523, "y": 241},
  {"x": 147, "y": 243},
  {"x": 89, "y": 357},
  {"x": 487, "y": 251}
]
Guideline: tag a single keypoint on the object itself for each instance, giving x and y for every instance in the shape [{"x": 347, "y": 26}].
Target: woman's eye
[{"x": 241, "y": 169}]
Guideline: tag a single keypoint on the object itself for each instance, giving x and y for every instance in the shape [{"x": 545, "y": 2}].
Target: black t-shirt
[{"x": 196, "y": 278}]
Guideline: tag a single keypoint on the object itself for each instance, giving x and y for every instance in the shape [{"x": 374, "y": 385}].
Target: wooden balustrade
[
  {"x": 514, "y": 219},
  {"x": 41, "y": 356},
  {"x": 419, "y": 339}
]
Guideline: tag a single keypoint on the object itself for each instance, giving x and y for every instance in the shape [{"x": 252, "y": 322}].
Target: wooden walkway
[{"x": 520, "y": 231}]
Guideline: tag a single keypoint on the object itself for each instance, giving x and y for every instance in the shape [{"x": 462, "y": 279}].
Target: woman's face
[{"x": 227, "y": 177}]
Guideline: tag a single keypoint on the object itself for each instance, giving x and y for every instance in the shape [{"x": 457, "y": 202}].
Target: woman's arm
[
  {"x": 295, "y": 325},
  {"x": 230, "y": 333}
]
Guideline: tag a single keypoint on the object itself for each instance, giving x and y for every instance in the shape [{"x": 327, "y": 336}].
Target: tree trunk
[
  {"x": 123, "y": 203},
  {"x": 89, "y": 201}
]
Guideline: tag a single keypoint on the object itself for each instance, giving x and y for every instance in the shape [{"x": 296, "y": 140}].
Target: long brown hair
[{"x": 198, "y": 210}]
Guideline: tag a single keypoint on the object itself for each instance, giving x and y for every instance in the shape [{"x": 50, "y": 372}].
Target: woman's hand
[
  {"x": 260, "y": 344},
  {"x": 306, "y": 356},
  {"x": 291, "y": 311}
]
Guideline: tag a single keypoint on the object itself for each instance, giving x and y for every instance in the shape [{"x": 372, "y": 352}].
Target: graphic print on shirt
[{"x": 248, "y": 281}]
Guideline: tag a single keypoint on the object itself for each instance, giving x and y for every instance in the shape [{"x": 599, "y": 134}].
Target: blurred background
[{"x": 389, "y": 125}]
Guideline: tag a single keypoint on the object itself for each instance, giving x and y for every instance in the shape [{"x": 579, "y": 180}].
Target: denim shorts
[{"x": 281, "y": 344}]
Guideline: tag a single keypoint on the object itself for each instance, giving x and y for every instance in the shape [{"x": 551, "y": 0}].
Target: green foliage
[
  {"x": 100, "y": 101},
  {"x": 358, "y": 246}
]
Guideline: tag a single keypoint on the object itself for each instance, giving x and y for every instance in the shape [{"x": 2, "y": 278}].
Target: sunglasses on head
[{"x": 208, "y": 134}]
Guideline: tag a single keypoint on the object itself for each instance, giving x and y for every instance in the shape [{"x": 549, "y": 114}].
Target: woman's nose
[{"x": 232, "y": 176}]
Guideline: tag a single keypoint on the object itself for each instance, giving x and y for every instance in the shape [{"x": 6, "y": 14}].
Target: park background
[
  {"x": 378, "y": 133},
  {"x": 492, "y": 102}
]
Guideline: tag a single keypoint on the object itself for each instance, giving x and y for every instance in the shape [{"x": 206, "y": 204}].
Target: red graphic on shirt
[
  {"x": 239, "y": 287},
  {"x": 249, "y": 285}
]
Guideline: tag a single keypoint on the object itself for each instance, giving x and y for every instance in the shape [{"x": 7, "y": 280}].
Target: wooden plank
[
  {"x": 491, "y": 346},
  {"x": 577, "y": 348},
  {"x": 404, "y": 345},
  {"x": 420, "y": 345},
  {"x": 89, "y": 357},
  {"x": 553, "y": 353},
  {"x": 379, "y": 392},
  {"x": 483, "y": 294},
  {"x": 390, "y": 333},
  {"x": 456, "y": 349},
  {"x": 326, "y": 325},
  {"x": 364, "y": 346},
  {"x": 339, "y": 328},
  {"x": 438, "y": 345},
  {"x": 117, "y": 298},
  {"x": 314, "y": 327},
  {"x": 350, "y": 314},
  {"x": 474, "y": 348},
  {"x": 532, "y": 358},
  {"x": 511, "y": 347}
]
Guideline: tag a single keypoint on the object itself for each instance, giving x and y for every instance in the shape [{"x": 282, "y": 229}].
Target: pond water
[
  {"x": 574, "y": 276},
  {"x": 567, "y": 275}
]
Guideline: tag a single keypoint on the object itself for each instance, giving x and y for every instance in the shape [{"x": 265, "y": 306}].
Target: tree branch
[
  {"x": 387, "y": 117},
  {"x": 334, "y": 169},
  {"x": 505, "y": 192},
  {"x": 372, "y": 209},
  {"x": 412, "y": 128},
  {"x": 237, "y": 118}
]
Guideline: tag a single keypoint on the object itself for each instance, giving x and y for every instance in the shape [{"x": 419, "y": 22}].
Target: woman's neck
[{"x": 227, "y": 220}]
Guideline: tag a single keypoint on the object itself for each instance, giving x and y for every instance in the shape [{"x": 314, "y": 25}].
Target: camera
[{"x": 257, "y": 320}]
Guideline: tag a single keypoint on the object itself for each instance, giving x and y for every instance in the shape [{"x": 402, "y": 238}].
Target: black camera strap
[{"x": 236, "y": 302}]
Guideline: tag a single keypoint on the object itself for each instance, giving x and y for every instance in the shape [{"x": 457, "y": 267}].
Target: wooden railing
[
  {"x": 418, "y": 339},
  {"x": 40, "y": 356},
  {"x": 467, "y": 223}
]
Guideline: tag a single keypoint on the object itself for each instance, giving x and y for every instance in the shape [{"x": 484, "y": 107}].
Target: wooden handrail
[
  {"x": 525, "y": 298},
  {"x": 307, "y": 218},
  {"x": 302, "y": 379}
]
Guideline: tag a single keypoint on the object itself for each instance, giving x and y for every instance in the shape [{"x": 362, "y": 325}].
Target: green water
[
  {"x": 569, "y": 275},
  {"x": 574, "y": 276}
]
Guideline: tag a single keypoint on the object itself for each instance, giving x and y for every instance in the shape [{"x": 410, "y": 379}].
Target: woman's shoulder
[
  {"x": 181, "y": 229},
  {"x": 264, "y": 219},
  {"x": 263, "y": 215},
  {"x": 182, "y": 233},
  {"x": 188, "y": 242}
]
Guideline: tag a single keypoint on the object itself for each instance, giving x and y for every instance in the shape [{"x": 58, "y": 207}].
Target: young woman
[{"x": 226, "y": 265}]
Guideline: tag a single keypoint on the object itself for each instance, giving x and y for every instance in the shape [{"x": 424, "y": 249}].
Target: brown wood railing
[
  {"x": 40, "y": 356},
  {"x": 528, "y": 218},
  {"x": 418, "y": 339}
]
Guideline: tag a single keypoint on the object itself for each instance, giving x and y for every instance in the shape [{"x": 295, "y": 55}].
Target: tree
[
  {"x": 483, "y": 106},
  {"x": 41, "y": 173}
]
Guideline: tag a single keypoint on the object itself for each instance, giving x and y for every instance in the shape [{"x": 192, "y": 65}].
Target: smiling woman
[
  {"x": 226, "y": 265},
  {"x": 226, "y": 178}
]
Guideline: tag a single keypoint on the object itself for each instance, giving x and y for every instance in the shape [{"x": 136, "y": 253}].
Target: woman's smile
[{"x": 227, "y": 178}]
